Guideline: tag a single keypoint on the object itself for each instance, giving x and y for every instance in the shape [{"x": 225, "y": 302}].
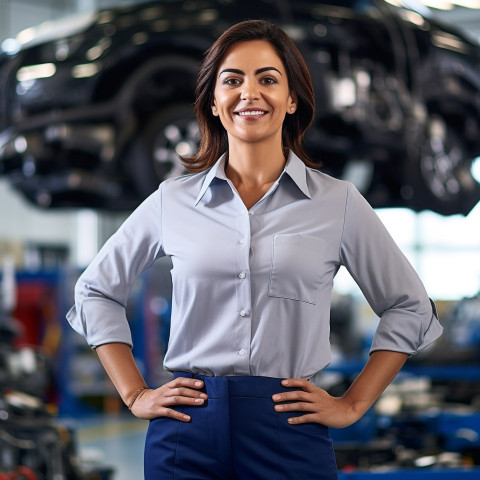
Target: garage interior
[{"x": 72, "y": 424}]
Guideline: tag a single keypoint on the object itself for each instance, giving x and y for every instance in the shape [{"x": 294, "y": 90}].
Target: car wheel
[
  {"x": 439, "y": 172},
  {"x": 154, "y": 157},
  {"x": 444, "y": 145}
]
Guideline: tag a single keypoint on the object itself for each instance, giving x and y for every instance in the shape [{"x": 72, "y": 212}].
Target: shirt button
[
  {"x": 242, "y": 241},
  {"x": 243, "y": 312},
  {"x": 242, "y": 352},
  {"x": 242, "y": 275}
]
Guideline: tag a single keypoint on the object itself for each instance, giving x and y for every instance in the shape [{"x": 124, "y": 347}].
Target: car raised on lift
[{"x": 95, "y": 108}]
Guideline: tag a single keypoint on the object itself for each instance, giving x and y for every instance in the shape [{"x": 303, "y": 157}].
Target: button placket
[{"x": 243, "y": 294}]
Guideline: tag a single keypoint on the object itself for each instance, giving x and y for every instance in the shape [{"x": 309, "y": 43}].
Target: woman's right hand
[{"x": 181, "y": 391}]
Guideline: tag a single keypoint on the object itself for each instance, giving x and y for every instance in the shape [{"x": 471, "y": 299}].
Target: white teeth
[{"x": 251, "y": 113}]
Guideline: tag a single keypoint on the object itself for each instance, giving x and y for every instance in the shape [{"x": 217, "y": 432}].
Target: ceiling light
[{"x": 33, "y": 72}]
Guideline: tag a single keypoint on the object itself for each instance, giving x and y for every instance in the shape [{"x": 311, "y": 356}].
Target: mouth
[{"x": 257, "y": 113}]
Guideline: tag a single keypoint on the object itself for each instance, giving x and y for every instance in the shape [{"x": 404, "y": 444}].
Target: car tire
[
  {"x": 438, "y": 172},
  {"x": 440, "y": 152},
  {"x": 155, "y": 154}
]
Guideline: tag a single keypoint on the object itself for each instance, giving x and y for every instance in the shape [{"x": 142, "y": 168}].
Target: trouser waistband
[{"x": 238, "y": 386}]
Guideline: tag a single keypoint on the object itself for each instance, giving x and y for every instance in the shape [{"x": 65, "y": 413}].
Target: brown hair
[{"x": 213, "y": 141}]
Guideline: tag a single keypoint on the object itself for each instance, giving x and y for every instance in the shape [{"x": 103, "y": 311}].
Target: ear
[
  {"x": 292, "y": 103},
  {"x": 214, "y": 109}
]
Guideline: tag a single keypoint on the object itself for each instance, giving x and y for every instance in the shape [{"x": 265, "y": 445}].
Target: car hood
[{"x": 51, "y": 30}]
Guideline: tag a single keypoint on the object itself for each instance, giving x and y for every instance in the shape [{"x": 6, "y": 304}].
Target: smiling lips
[{"x": 251, "y": 114}]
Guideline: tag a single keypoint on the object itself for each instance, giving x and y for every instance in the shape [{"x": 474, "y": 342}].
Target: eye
[
  {"x": 231, "y": 81},
  {"x": 269, "y": 80}
]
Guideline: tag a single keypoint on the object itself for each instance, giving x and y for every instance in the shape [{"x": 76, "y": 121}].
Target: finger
[
  {"x": 185, "y": 392},
  {"x": 176, "y": 415},
  {"x": 294, "y": 407},
  {"x": 180, "y": 400},
  {"x": 291, "y": 396},
  {"x": 185, "y": 382},
  {"x": 309, "y": 418},
  {"x": 299, "y": 383}
]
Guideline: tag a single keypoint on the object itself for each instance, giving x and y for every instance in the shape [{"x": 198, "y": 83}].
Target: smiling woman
[
  {"x": 252, "y": 101},
  {"x": 256, "y": 238},
  {"x": 281, "y": 65}
]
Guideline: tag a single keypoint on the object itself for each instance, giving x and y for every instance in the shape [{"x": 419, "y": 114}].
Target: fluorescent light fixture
[
  {"x": 33, "y": 72},
  {"x": 450, "y": 42},
  {"x": 140, "y": 38},
  {"x": 414, "y": 17},
  {"x": 85, "y": 70}
]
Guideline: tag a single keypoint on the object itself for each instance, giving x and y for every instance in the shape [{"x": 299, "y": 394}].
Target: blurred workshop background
[{"x": 95, "y": 104}]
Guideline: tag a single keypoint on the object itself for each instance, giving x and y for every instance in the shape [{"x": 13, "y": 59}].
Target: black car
[{"x": 94, "y": 109}]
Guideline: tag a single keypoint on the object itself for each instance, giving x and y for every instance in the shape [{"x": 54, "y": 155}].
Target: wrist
[
  {"x": 133, "y": 398},
  {"x": 355, "y": 408}
]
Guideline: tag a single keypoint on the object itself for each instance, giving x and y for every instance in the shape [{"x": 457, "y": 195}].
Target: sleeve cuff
[
  {"x": 399, "y": 333},
  {"x": 107, "y": 322}
]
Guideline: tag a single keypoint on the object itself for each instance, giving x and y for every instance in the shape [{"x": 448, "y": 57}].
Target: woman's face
[{"x": 251, "y": 94}]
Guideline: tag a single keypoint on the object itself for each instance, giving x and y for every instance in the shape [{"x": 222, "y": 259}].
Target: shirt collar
[
  {"x": 294, "y": 168},
  {"x": 218, "y": 170},
  {"x": 297, "y": 171}
]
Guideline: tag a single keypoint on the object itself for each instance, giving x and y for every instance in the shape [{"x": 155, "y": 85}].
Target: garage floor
[{"x": 113, "y": 441}]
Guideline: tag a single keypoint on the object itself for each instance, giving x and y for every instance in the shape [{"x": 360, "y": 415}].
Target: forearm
[
  {"x": 117, "y": 360},
  {"x": 381, "y": 368}
]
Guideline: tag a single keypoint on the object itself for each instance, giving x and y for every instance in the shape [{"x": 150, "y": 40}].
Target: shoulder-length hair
[{"x": 213, "y": 137}]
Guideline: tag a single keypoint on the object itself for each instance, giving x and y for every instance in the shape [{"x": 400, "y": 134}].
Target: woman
[{"x": 256, "y": 238}]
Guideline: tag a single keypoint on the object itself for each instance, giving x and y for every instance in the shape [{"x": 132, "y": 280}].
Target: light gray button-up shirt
[{"x": 252, "y": 288}]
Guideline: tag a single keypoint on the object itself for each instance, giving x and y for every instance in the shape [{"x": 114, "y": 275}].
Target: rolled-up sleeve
[
  {"x": 408, "y": 318},
  {"x": 102, "y": 291}
]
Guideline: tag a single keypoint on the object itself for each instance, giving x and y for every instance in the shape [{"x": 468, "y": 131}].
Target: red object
[
  {"x": 35, "y": 310},
  {"x": 21, "y": 473}
]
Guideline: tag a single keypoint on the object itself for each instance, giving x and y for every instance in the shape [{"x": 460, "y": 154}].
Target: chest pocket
[{"x": 296, "y": 267}]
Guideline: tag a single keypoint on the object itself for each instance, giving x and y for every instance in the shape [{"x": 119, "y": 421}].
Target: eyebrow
[{"x": 257, "y": 72}]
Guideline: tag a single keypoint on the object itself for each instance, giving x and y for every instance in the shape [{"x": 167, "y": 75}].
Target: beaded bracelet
[{"x": 136, "y": 395}]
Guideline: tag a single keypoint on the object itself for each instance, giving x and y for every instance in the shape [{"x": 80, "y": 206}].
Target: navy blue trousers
[{"x": 237, "y": 435}]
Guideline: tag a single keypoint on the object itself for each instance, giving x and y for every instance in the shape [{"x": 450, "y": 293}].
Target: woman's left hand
[{"x": 318, "y": 405}]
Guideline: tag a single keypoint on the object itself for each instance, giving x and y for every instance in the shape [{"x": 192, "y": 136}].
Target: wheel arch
[
  {"x": 129, "y": 66},
  {"x": 132, "y": 116},
  {"x": 451, "y": 89}
]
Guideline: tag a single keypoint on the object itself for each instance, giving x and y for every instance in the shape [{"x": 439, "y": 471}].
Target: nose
[{"x": 250, "y": 91}]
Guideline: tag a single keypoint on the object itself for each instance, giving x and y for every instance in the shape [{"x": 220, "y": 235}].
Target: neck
[{"x": 254, "y": 164}]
